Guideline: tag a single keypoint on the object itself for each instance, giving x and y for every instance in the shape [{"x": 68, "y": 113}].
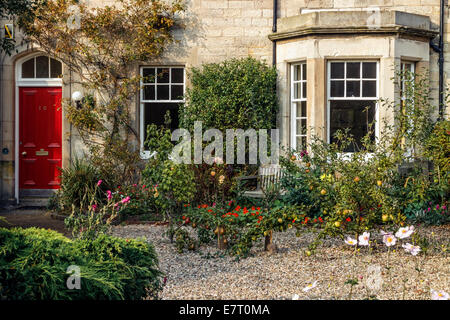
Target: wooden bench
[{"x": 268, "y": 176}]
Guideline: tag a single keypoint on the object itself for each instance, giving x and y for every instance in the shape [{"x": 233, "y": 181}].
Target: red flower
[
  {"x": 238, "y": 208},
  {"x": 348, "y": 219},
  {"x": 209, "y": 210},
  {"x": 183, "y": 217},
  {"x": 253, "y": 208}
]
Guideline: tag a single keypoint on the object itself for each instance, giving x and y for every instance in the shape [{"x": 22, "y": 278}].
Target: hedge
[{"x": 34, "y": 264}]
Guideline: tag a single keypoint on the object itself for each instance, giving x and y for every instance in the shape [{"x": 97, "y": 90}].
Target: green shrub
[
  {"x": 237, "y": 93},
  {"x": 233, "y": 94},
  {"x": 174, "y": 183},
  {"x": 78, "y": 182},
  {"x": 34, "y": 262}
]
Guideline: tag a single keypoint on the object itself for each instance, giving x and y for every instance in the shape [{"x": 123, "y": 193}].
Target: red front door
[{"x": 40, "y": 137}]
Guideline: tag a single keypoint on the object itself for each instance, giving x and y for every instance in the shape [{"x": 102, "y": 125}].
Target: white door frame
[{"x": 20, "y": 82}]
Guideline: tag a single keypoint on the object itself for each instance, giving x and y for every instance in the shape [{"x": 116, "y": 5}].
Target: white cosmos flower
[
  {"x": 310, "y": 286},
  {"x": 351, "y": 241},
  {"x": 404, "y": 232},
  {"x": 364, "y": 239},
  {"x": 439, "y": 295},
  {"x": 414, "y": 250},
  {"x": 389, "y": 239},
  {"x": 295, "y": 297},
  {"x": 407, "y": 247}
]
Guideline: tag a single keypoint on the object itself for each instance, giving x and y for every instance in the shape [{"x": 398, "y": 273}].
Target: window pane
[
  {"x": 42, "y": 67},
  {"x": 149, "y": 75},
  {"x": 353, "y": 115},
  {"x": 177, "y": 92},
  {"x": 354, "y": 70},
  {"x": 55, "y": 68},
  {"x": 177, "y": 75},
  {"x": 301, "y": 109},
  {"x": 154, "y": 113},
  {"x": 369, "y": 88},
  {"x": 337, "y": 70},
  {"x": 370, "y": 70},
  {"x": 304, "y": 90},
  {"x": 408, "y": 67},
  {"x": 297, "y": 72},
  {"x": 304, "y": 71},
  {"x": 337, "y": 88},
  {"x": 301, "y": 127},
  {"x": 28, "y": 69},
  {"x": 297, "y": 90},
  {"x": 301, "y": 143},
  {"x": 353, "y": 89},
  {"x": 149, "y": 92},
  {"x": 163, "y": 75},
  {"x": 162, "y": 92}
]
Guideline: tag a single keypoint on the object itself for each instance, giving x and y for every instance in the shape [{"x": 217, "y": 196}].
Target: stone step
[{"x": 33, "y": 202}]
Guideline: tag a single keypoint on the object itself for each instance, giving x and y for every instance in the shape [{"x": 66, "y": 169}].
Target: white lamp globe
[{"x": 77, "y": 96}]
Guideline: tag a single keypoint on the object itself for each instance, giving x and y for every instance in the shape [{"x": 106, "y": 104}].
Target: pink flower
[
  {"x": 437, "y": 207},
  {"x": 94, "y": 207},
  {"x": 429, "y": 209},
  {"x": 99, "y": 182},
  {"x": 116, "y": 205},
  {"x": 444, "y": 207},
  {"x": 109, "y": 194},
  {"x": 389, "y": 239},
  {"x": 126, "y": 200}
]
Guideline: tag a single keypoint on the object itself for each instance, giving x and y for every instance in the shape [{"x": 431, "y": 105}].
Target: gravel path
[{"x": 194, "y": 275}]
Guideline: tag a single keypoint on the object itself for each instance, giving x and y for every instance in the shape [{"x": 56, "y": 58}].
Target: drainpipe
[
  {"x": 274, "y": 29},
  {"x": 440, "y": 50},
  {"x": 441, "y": 62}
]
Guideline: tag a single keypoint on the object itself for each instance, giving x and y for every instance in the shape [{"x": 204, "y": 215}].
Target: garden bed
[{"x": 210, "y": 274}]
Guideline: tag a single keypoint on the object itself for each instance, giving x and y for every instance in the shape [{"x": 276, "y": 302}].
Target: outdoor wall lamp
[{"x": 77, "y": 96}]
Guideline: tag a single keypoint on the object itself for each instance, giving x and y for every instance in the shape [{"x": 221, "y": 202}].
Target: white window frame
[
  {"x": 345, "y": 79},
  {"x": 293, "y": 102},
  {"x": 146, "y": 154},
  {"x": 403, "y": 63}
]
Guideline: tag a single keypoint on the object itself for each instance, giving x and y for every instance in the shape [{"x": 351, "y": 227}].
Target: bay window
[{"x": 352, "y": 99}]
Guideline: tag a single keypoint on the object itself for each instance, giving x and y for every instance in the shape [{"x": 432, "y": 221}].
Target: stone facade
[{"x": 222, "y": 29}]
